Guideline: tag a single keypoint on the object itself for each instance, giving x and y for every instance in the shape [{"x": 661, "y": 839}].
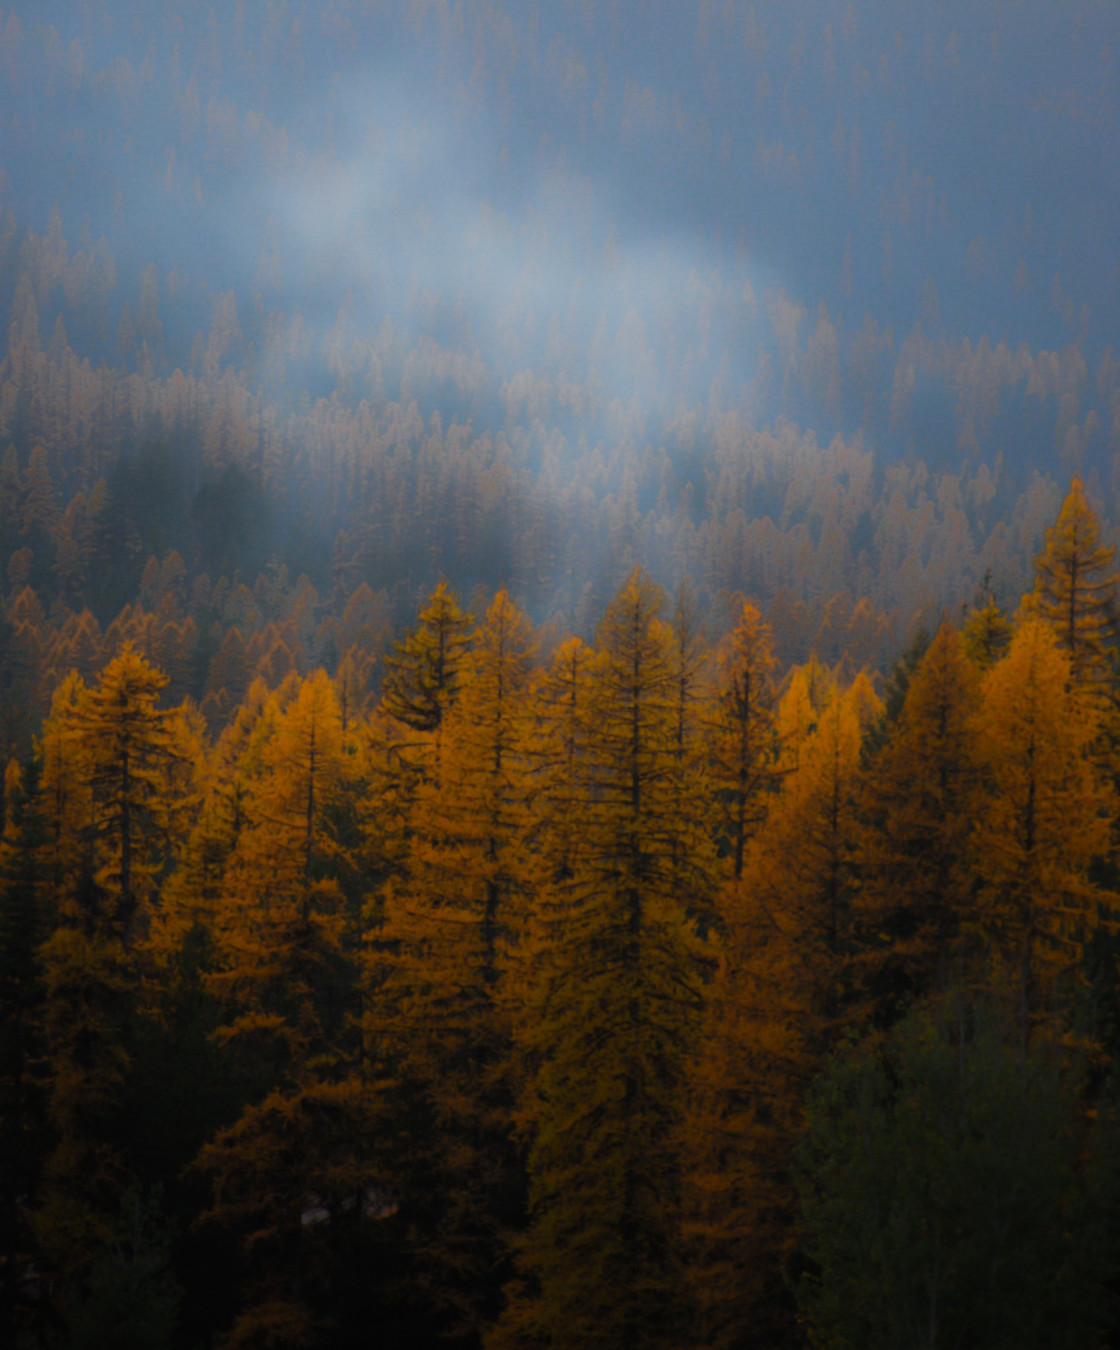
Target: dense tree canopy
[
  {"x": 558, "y": 722},
  {"x": 488, "y": 1006}
]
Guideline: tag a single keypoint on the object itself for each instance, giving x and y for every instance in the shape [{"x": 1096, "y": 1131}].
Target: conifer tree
[
  {"x": 742, "y": 734},
  {"x": 949, "y": 1195},
  {"x": 281, "y": 915},
  {"x": 689, "y": 653},
  {"x": 89, "y": 989},
  {"x": 440, "y": 1010},
  {"x": 921, "y": 801},
  {"x": 1044, "y": 818},
  {"x": 130, "y": 751},
  {"x": 1075, "y": 588},
  {"x": 804, "y": 877},
  {"x": 285, "y": 972},
  {"x": 111, "y": 792},
  {"x": 130, "y": 1297},
  {"x": 191, "y": 894},
  {"x": 228, "y": 673},
  {"x": 422, "y": 679},
  {"x": 40, "y": 514},
  {"x": 780, "y": 999},
  {"x": 616, "y": 1004},
  {"x": 987, "y": 629},
  {"x": 557, "y": 756},
  {"x": 67, "y": 798},
  {"x": 352, "y": 679},
  {"x": 16, "y": 697},
  {"x": 810, "y": 690}
]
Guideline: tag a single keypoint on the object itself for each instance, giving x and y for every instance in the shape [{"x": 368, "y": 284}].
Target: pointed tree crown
[
  {"x": 423, "y": 675},
  {"x": 1075, "y": 589}
]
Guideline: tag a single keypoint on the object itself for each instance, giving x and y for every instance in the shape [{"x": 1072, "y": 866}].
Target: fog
[
  {"x": 859, "y": 156},
  {"x": 894, "y": 224}
]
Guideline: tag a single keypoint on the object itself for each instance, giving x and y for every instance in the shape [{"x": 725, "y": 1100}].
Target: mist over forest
[
  {"x": 635, "y": 272},
  {"x": 559, "y": 674}
]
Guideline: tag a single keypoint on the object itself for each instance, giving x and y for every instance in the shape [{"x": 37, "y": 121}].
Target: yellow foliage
[
  {"x": 920, "y": 803},
  {"x": 742, "y": 733},
  {"x": 779, "y": 1000},
  {"x": 439, "y": 1019},
  {"x": 1044, "y": 818},
  {"x": 1075, "y": 591},
  {"x": 614, "y": 996},
  {"x": 67, "y": 797}
]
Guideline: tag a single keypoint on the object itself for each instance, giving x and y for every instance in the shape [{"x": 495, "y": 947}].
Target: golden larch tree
[
  {"x": 781, "y": 996},
  {"x": 422, "y": 675},
  {"x": 556, "y": 756},
  {"x": 1045, "y": 816},
  {"x": 132, "y": 751},
  {"x": 286, "y": 972},
  {"x": 920, "y": 803},
  {"x": 115, "y": 775},
  {"x": 1075, "y": 588},
  {"x": 742, "y": 734},
  {"x": 439, "y": 1018},
  {"x": 615, "y": 1008}
]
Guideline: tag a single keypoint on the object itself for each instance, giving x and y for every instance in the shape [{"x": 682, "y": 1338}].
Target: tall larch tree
[
  {"x": 615, "y": 1011},
  {"x": 125, "y": 754},
  {"x": 132, "y": 753},
  {"x": 1045, "y": 816},
  {"x": 67, "y": 796},
  {"x": 809, "y": 690},
  {"x": 423, "y": 674},
  {"x": 986, "y": 630},
  {"x": 780, "y": 999},
  {"x": 227, "y": 775},
  {"x": 689, "y": 654},
  {"x": 742, "y": 735},
  {"x": 917, "y": 858},
  {"x": 557, "y": 753},
  {"x": 286, "y": 972},
  {"x": 1075, "y": 589},
  {"x": 440, "y": 1007}
]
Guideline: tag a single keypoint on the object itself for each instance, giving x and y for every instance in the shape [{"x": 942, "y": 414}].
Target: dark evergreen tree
[{"x": 950, "y": 1195}]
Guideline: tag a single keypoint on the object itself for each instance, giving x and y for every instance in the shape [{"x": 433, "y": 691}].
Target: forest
[
  {"x": 559, "y": 675},
  {"x": 632, "y": 991}
]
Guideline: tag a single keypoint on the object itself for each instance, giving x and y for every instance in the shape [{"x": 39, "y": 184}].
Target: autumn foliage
[{"x": 499, "y": 999}]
